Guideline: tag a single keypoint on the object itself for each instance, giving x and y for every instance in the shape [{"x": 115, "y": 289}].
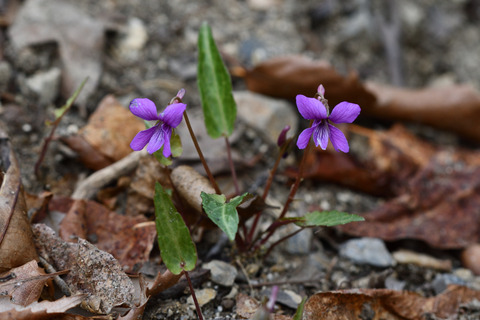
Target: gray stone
[
  {"x": 299, "y": 243},
  {"x": 222, "y": 273},
  {"x": 266, "y": 115},
  {"x": 46, "y": 84},
  {"x": 370, "y": 251},
  {"x": 442, "y": 280}
]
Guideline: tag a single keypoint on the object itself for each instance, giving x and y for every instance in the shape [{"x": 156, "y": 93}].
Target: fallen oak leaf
[
  {"x": 16, "y": 241},
  {"x": 92, "y": 271},
  {"x": 26, "y": 283}
]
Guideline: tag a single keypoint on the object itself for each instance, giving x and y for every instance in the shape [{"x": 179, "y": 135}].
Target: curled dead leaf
[
  {"x": 16, "y": 241},
  {"x": 189, "y": 184}
]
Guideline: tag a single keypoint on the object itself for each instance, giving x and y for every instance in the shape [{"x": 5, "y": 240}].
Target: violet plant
[{"x": 177, "y": 248}]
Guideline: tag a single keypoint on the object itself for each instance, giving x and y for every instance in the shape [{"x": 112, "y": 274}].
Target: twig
[
  {"x": 89, "y": 187},
  {"x": 59, "y": 281}
]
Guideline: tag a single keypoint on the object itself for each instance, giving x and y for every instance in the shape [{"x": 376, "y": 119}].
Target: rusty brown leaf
[
  {"x": 26, "y": 283},
  {"x": 16, "y": 241},
  {"x": 285, "y": 77},
  {"x": 106, "y": 137},
  {"x": 386, "y": 304},
  {"x": 92, "y": 271},
  {"x": 128, "y": 238}
]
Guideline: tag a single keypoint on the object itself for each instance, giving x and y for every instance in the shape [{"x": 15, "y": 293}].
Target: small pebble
[
  {"x": 204, "y": 296},
  {"x": 221, "y": 272}
]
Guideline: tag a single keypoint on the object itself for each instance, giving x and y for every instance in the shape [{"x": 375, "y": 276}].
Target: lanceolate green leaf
[
  {"x": 224, "y": 215},
  {"x": 214, "y": 83},
  {"x": 327, "y": 218},
  {"x": 176, "y": 246}
]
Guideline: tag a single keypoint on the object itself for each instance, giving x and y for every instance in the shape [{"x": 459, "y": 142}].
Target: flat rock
[{"x": 370, "y": 251}]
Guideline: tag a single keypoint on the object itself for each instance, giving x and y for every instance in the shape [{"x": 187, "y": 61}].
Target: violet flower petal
[
  {"x": 141, "y": 139},
  {"x": 173, "y": 114},
  {"x": 144, "y": 108},
  {"x": 157, "y": 140},
  {"x": 167, "y": 135},
  {"x": 311, "y": 108},
  {"x": 321, "y": 134},
  {"x": 338, "y": 139},
  {"x": 344, "y": 112},
  {"x": 304, "y": 138}
]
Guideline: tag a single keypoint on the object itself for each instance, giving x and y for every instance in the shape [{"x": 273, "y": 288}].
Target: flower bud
[
  {"x": 282, "y": 137},
  {"x": 321, "y": 90}
]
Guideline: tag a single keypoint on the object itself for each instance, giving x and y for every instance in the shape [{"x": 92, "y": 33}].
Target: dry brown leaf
[
  {"x": 16, "y": 242},
  {"x": 455, "y": 108},
  {"x": 92, "y": 271},
  {"x": 162, "y": 282},
  {"x": 285, "y": 77},
  {"x": 45, "y": 310},
  {"x": 128, "y": 238},
  {"x": 107, "y": 135},
  {"x": 25, "y": 283},
  {"x": 440, "y": 205},
  {"x": 386, "y": 304}
]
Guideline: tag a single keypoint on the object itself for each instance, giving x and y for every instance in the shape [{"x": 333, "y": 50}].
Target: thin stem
[
  {"x": 266, "y": 190},
  {"x": 293, "y": 190},
  {"x": 280, "y": 241},
  {"x": 46, "y": 142},
  {"x": 232, "y": 166},
  {"x": 200, "y": 155},
  {"x": 194, "y": 297}
]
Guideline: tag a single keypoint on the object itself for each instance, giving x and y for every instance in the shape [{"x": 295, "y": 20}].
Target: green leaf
[
  {"x": 224, "y": 215},
  {"x": 175, "y": 148},
  {"x": 299, "y": 313},
  {"x": 327, "y": 218},
  {"x": 176, "y": 246},
  {"x": 215, "y": 86}
]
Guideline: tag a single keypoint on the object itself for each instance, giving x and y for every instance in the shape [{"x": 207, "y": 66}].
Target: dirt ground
[{"x": 147, "y": 48}]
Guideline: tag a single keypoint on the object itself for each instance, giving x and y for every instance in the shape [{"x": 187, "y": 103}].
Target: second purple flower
[
  {"x": 159, "y": 135},
  {"x": 322, "y": 130}
]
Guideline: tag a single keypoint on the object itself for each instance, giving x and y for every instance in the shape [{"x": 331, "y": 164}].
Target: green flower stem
[
  {"x": 200, "y": 155},
  {"x": 266, "y": 190},
  {"x": 232, "y": 166},
  {"x": 197, "y": 306}
]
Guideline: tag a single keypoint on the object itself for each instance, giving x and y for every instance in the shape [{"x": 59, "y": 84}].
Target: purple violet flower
[
  {"x": 316, "y": 109},
  {"x": 159, "y": 135}
]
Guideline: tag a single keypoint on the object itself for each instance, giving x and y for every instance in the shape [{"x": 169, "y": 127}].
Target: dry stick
[
  {"x": 59, "y": 281},
  {"x": 89, "y": 187},
  {"x": 200, "y": 155},
  {"x": 232, "y": 166},
  {"x": 194, "y": 297}
]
